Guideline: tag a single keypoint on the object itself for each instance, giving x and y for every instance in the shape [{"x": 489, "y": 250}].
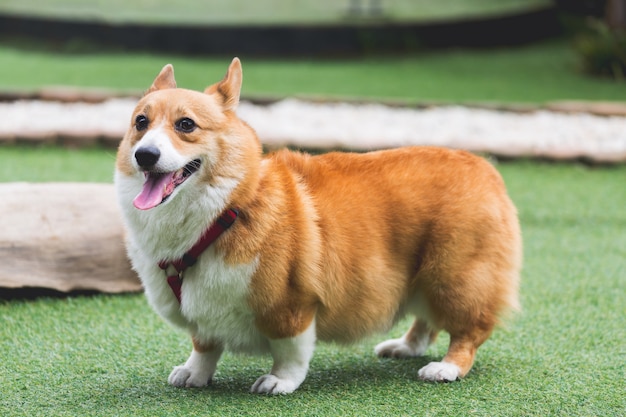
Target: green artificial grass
[
  {"x": 562, "y": 355},
  {"x": 533, "y": 74}
]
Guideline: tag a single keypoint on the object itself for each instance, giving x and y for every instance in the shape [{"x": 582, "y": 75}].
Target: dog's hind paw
[
  {"x": 439, "y": 372},
  {"x": 183, "y": 376},
  {"x": 398, "y": 348},
  {"x": 271, "y": 384}
]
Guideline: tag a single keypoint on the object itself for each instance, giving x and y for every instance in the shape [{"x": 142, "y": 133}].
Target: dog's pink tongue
[{"x": 153, "y": 191}]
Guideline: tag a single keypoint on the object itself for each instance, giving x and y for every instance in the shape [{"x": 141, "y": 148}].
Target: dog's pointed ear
[
  {"x": 164, "y": 80},
  {"x": 230, "y": 87}
]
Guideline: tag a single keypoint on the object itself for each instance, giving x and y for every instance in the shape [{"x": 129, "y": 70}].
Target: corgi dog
[{"x": 270, "y": 253}]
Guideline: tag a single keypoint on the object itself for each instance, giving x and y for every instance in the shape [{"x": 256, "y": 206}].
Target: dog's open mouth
[{"x": 160, "y": 185}]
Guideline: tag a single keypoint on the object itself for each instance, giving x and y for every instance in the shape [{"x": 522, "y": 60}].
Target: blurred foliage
[
  {"x": 602, "y": 50},
  {"x": 598, "y": 30}
]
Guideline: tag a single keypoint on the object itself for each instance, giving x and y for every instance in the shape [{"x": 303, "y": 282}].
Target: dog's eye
[
  {"x": 185, "y": 125},
  {"x": 141, "y": 122}
]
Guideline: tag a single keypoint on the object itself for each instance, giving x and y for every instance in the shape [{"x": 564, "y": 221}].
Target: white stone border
[{"x": 315, "y": 125}]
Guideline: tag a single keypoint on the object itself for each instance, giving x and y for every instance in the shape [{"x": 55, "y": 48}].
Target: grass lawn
[
  {"x": 563, "y": 355},
  {"x": 215, "y": 12},
  {"x": 533, "y": 74}
]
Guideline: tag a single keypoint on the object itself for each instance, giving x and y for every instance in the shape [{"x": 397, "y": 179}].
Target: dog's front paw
[
  {"x": 271, "y": 384},
  {"x": 439, "y": 372},
  {"x": 398, "y": 348},
  {"x": 184, "y": 376}
]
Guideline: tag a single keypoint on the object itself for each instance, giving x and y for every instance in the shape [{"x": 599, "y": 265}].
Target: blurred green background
[
  {"x": 264, "y": 12},
  {"x": 407, "y": 65}
]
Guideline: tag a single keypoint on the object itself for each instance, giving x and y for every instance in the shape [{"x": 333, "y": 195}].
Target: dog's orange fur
[
  {"x": 353, "y": 241},
  {"x": 376, "y": 230}
]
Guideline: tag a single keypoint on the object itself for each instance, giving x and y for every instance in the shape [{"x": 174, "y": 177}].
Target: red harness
[{"x": 190, "y": 257}]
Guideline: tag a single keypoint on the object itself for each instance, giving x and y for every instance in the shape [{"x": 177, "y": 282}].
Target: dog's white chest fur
[
  {"x": 214, "y": 294},
  {"x": 214, "y": 300}
]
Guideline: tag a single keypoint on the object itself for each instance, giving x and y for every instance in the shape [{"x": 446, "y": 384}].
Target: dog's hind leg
[
  {"x": 199, "y": 368},
  {"x": 459, "y": 359},
  {"x": 467, "y": 307},
  {"x": 414, "y": 342}
]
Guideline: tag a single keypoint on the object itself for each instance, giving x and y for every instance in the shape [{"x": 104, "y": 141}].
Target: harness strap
[{"x": 190, "y": 257}]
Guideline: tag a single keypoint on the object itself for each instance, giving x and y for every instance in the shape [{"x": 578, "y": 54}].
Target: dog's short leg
[
  {"x": 459, "y": 359},
  {"x": 413, "y": 343},
  {"x": 199, "y": 368},
  {"x": 291, "y": 363}
]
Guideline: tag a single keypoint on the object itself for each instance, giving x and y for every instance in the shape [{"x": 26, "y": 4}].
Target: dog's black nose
[{"x": 147, "y": 156}]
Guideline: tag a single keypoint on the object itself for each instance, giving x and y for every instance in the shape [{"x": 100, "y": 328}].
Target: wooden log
[{"x": 63, "y": 236}]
